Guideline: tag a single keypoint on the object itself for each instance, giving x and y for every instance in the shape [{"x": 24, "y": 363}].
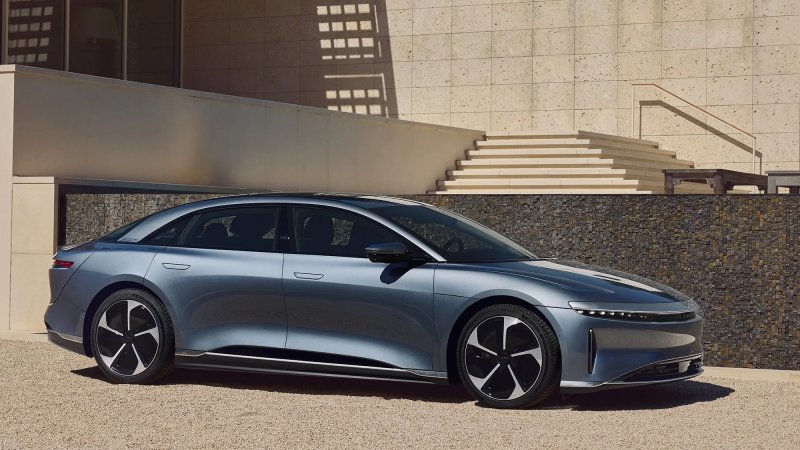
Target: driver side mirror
[{"x": 388, "y": 252}]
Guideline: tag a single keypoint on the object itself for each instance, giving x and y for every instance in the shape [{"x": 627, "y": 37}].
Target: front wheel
[
  {"x": 508, "y": 357},
  {"x": 132, "y": 337}
]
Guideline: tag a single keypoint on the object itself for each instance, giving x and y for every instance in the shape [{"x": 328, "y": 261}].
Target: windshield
[{"x": 454, "y": 237}]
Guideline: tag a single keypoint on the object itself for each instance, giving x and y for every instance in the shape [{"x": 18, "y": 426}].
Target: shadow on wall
[{"x": 344, "y": 57}]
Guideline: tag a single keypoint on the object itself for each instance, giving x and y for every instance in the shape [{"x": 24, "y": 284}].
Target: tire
[
  {"x": 508, "y": 357},
  {"x": 132, "y": 338}
]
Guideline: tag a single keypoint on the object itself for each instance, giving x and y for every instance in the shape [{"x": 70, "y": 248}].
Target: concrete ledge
[{"x": 737, "y": 373}]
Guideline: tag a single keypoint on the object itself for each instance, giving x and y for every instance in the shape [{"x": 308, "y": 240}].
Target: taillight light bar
[{"x": 61, "y": 264}]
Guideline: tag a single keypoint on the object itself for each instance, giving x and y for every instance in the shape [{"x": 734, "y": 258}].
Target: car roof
[{"x": 363, "y": 200}]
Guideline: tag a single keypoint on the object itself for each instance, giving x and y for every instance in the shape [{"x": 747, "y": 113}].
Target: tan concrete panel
[
  {"x": 684, "y": 35},
  {"x": 547, "y": 121},
  {"x": 512, "y": 43},
  {"x": 776, "y": 8},
  {"x": 730, "y": 9},
  {"x": 553, "y": 96},
  {"x": 595, "y": 12},
  {"x": 776, "y": 30},
  {"x": 33, "y": 213},
  {"x": 597, "y": 120},
  {"x": 595, "y": 39},
  {"x": 639, "y": 37},
  {"x": 472, "y": 18},
  {"x": 640, "y": 11},
  {"x": 472, "y": 72},
  {"x": 730, "y": 91},
  {"x": 6, "y": 163},
  {"x": 553, "y": 41},
  {"x": 432, "y": 20},
  {"x": 431, "y": 73},
  {"x": 684, "y": 63},
  {"x": 470, "y": 99},
  {"x": 430, "y": 100},
  {"x": 779, "y": 146},
  {"x": 638, "y": 65},
  {"x": 730, "y": 33},
  {"x": 776, "y": 60},
  {"x": 554, "y": 14},
  {"x": 776, "y": 89},
  {"x": 782, "y": 118},
  {"x": 512, "y": 16},
  {"x": 399, "y": 23},
  {"x": 679, "y": 10},
  {"x": 511, "y": 121},
  {"x": 692, "y": 89},
  {"x": 597, "y": 67},
  {"x": 474, "y": 120},
  {"x": 517, "y": 70},
  {"x": 30, "y": 291},
  {"x": 431, "y": 47},
  {"x": 472, "y": 45},
  {"x": 511, "y": 97},
  {"x": 443, "y": 119},
  {"x": 730, "y": 62},
  {"x": 595, "y": 95}
]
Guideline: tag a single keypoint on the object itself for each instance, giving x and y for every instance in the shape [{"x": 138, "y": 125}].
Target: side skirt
[{"x": 222, "y": 361}]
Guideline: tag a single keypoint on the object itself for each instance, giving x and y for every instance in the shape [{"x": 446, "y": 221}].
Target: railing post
[{"x": 633, "y": 111}]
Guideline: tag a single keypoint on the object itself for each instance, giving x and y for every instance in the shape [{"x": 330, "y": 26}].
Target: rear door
[
  {"x": 338, "y": 302},
  {"x": 221, "y": 273}
]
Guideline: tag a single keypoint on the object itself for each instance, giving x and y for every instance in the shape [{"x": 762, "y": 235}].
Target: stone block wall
[
  {"x": 738, "y": 256},
  {"x": 510, "y": 65}
]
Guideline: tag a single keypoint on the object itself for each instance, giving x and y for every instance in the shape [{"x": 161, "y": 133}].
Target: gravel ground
[{"x": 55, "y": 399}]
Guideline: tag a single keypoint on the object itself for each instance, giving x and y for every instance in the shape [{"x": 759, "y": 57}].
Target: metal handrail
[{"x": 633, "y": 115}]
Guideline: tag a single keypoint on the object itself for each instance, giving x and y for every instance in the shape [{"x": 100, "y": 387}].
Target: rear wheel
[
  {"x": 508, "y": 357},
  {"x": 132, "y": 337}
]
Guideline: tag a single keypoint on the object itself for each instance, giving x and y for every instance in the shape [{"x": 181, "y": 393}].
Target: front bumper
[{"x": 603, "y": 353}]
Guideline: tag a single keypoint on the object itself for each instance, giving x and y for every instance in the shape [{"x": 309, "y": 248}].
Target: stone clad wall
[
  {"x": 739, "y": 256},
  {"x": 510, "y": 65}
]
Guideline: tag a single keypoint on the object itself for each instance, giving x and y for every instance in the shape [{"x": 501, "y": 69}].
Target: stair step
[
  {"x": 567, "y": 134},
  {"x": 567, "y": 143},
  {"x": 539, "y": 191},
  {"x": 545, "y": 162},
  {"x": 535, "y": 153},
  {"x": 562, "y": 172}
]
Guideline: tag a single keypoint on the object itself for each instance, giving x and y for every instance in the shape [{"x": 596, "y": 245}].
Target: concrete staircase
[{"x": 564, "y": 163}]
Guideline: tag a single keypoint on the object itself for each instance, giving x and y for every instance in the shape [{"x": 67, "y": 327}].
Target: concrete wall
[
  {"x": 68, "y": 125},
  {"x": 6, "y": 139},
  {"x": 739, "y": 256},
  {"x": 519, "y": 65}
]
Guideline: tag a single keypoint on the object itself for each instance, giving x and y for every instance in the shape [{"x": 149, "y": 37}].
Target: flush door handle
[
  {"x": 308, "y": 276},
  {"x": 173, "y": 266}
]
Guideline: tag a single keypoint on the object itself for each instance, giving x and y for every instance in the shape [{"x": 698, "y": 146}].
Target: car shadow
[
  {"x": 660, "y": 396},
  {"x": 663, "y": 396}
]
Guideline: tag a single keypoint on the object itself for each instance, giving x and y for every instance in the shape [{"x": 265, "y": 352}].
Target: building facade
[{"x": 494, "y": 65}]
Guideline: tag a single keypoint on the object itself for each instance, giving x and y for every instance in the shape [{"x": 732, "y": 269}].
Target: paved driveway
[{"x": 52, "y": 398}]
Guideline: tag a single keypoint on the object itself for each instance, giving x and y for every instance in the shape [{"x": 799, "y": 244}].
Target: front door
[{"x": 338, "y": 302}]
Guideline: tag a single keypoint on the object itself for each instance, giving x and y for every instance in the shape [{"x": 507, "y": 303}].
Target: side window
[
  {"x": 249, "y": 229},
  {"x": 168, "y": 235},
  {"x": 326, "y": 231}
]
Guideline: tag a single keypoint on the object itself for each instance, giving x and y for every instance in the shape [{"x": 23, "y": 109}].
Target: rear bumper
[{"x": 66, "y": 341}]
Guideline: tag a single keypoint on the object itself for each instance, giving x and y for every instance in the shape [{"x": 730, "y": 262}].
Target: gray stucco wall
[{"x": 739, "y": 256}]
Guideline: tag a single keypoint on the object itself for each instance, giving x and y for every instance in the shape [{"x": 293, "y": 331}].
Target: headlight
[{"x": 638, "y": 316}]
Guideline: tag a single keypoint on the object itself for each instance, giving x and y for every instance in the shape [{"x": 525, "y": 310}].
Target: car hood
[{"x": 592, "y": 283}]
